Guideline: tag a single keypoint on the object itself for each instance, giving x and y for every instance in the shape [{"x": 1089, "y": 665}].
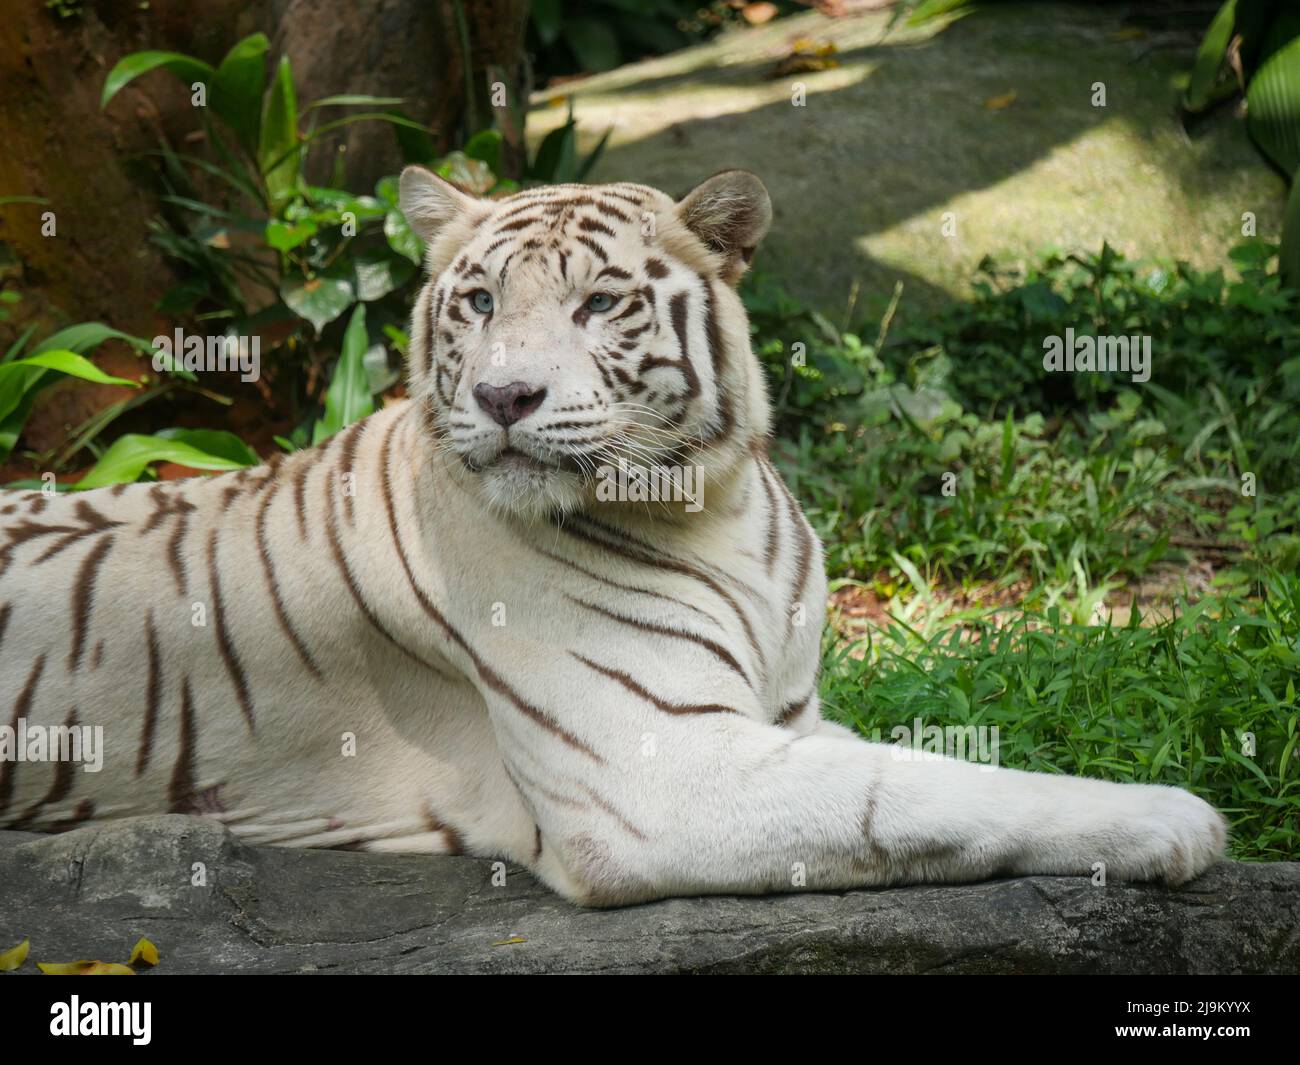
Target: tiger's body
[{"x": 429, "y": 635}]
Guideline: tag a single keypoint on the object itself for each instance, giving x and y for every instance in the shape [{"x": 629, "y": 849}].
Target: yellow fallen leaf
[
  {"x": 997, "y": 103},
  {"x": 14, "y": 957},
  {"x": 144, "y": 951},
  {"x": 84, "y": 968},
  {"x": 510, "y": 942},
  {"x": 1129, "y": 33}
]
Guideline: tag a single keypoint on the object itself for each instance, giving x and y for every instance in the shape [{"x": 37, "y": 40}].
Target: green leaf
[
  {"x": 470, "y": 175},
  {"x": 285, "y": 237},
  {"x": 555, "y": 160},
  {"x": 378, "y": 276},
  {"x": 86, "y": 335},
  {"x": 215, "y": 442},
  {"x": 1289, "y": 257},
  {"x": 238, "y": 87},
  {"x": 355, "y": 100},
  {"x": 485, "y": 146},
  {"x": 278, "y": 153},
  {"x": 19, "y": 377},
  {"x": 402, "y": 238},
  {"x": 348, "y": 399},
  {"x": 319, "y": 300},
  {"x": 1273, "y": 104},
  {"x": 130, "y": 67},
  {"x": 11, "y": 426},
  {"x": 1203, "y": 86},
  {"x": 128, "y": 456}
]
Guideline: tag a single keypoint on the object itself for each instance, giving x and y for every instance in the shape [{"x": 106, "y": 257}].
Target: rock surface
[
  {"x": 93, "y": 892},
  {"x": 995, "y": 118}
]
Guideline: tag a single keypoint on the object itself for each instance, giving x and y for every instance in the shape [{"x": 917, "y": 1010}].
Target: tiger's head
[{"x": 570, "y": 329}]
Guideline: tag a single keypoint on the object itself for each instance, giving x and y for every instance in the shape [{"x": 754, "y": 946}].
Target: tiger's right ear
[{"x": 429, "y": 202}]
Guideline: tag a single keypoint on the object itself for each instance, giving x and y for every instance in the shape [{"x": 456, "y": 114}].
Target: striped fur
[{"x": 429, "y": 634}]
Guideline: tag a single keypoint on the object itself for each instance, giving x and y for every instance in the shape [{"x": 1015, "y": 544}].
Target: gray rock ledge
[{"x": 92, "y": 892}]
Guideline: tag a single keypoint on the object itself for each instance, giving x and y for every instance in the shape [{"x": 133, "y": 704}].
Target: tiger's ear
[
  {"x": 730, "y": 213},
  {"x": 429, "y": 202}
]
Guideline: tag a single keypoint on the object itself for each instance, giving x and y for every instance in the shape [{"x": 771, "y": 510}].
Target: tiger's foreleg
[{"x": 725, "y": 804}]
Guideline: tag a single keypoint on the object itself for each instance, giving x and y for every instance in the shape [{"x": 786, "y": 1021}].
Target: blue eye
[
  {"x": 599, "y": 302},
  {"x": 481, "y": 301}
]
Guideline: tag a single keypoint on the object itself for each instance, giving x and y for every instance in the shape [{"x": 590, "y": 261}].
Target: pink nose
[{"x": 508, "y": 404}]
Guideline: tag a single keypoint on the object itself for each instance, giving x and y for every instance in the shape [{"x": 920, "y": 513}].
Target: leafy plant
[
  {"x": 1253, "y": 47},
  {"x": 943, "y": 443},
  {"x": 268, "y": 253}
]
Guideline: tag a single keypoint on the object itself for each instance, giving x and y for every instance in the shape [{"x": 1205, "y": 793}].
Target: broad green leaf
[
  {"x": 348, "y": 399},
  {"x": 128, "y": 456},
  {"x": 556, "y": 158},
  {"x": 130, "y": 67},
  {"x": 285, "y": 237},
  {"x": 377, "y": 277},
  {"x": 485, "y": 146},
  {"x": 1289, "y": 256},
  {"x": 1203, "y": 86},
  {"x": 278, "y": 153},
  {"x": 216, "y": 442},
  {"x": 238, "y": 88},
  {"x": 471, "y": 175},
  {"x": 320, "y": 300},
  {"x": 402, "y": 238},
  {"x": 1273, "y": 104}
]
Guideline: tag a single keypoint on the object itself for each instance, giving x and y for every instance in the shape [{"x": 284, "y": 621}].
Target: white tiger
[{"x": 429, "y": 634}]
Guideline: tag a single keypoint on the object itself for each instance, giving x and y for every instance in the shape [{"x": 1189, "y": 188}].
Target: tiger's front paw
[{"x": 1176, "y": 836}]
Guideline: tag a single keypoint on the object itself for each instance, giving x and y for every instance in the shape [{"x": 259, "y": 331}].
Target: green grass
[
  {"x": 1174, "y": 702},
  {"x": 943, "y": 457}
]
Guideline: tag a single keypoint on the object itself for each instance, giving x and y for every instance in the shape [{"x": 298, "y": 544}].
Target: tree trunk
[{"x": 412, "y": 49}]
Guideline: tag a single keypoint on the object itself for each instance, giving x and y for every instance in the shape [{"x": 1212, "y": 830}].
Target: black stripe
[
  {"x": 181, "y": 788},
  {"x": 21, "y": 707},
  {"x": 639, "y": 690},
  {"x": 273, "y": 585},
  {"x": 83, "y": 599},
  {"x": 228, "y": 653},
  {"x": 152, "y": 695},
  {"x": 712, "y": 646}
]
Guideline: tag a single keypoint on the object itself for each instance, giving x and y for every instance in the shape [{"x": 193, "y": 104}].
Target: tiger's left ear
[{"x": 730, "y": 213}]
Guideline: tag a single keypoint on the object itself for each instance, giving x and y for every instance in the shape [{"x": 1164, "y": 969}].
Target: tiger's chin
[{"x": 525, "y": 488}]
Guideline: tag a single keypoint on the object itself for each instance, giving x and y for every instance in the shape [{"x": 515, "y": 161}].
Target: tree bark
[{"x": 412, "y": 49}]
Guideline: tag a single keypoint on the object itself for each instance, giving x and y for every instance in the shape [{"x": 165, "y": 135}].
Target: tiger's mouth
[{"x": 513, "y": 460}]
